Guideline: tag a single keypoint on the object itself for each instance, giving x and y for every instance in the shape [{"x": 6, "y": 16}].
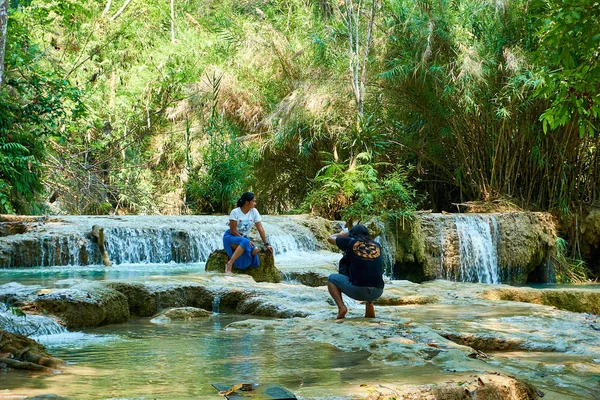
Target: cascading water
[
  {"x": 143, "y": 240},
  {"x": 478, "y": 242},
  {"x": 29, "y": 325}
]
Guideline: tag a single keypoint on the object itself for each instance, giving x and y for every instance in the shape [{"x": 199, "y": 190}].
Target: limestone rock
[
  {"x": 480, "y": 386},
  {"x": 139, "y": 299},
  {"x": 322, "y": 229},
  {"x": 486, "y": 342},
  {"x": 148, "y": 298},
  {"x": 265, "y": 272},
  {"x": 313, "y": 278},
  {"x": 88, "y": 304},
  {"x": 576, "y": 300},
  {"x": 182, "y": 314},
  {"x": 428, "y": 246},
  {"x": 18, "y": 294},
  {"x": 268, "y": 308},
  {"x": 392, "y": 300},
  {"x": 590, "y": 240}
]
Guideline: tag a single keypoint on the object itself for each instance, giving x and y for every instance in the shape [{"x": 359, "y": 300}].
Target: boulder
[
  {"x": 265, "y": 272},
  {"x": 181, "y": 314},
  {"x": 85, "y": 304},
  {"x": 148, "y": 298}
]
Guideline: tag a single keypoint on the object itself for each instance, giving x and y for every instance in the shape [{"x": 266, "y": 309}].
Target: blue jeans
[
  {"x": 360, "y": 293},
  {"x": 246, "y": 259}
]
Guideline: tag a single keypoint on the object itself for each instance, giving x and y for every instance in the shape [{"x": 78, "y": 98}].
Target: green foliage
[
  {"x": 36, "y": 106},
  {"x": 568, "y": 269},
  {"x": 226, "y": 168},
  {"x": 569, "y": 69},
  {"x": 356, "y": 194}
]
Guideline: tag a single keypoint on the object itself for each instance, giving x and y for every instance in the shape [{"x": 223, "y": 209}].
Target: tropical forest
[{"x": 128, "y": 125}]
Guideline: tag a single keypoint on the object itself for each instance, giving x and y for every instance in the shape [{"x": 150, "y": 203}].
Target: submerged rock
[{"x": 181, "y": 314}]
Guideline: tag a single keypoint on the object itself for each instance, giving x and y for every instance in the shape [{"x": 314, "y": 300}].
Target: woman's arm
[{"x": 261, "y": 232}]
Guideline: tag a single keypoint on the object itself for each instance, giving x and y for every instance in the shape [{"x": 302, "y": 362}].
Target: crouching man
[{"x": 364, "y": 278}]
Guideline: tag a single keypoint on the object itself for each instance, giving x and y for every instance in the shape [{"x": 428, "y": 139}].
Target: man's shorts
[{"x": 360, "y": 293}]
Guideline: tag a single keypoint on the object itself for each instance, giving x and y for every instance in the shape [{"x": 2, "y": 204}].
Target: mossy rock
[
  {"x": 581, "y": 301},
  {"x": 310, "y": 278},
  {"x": 25, "y": 349},
  {"x": 139, "y": 299},
  {"x": 265, "y": 272},
  {"x": 186, "y": 313},
  {"x": 84, "y": 305}
]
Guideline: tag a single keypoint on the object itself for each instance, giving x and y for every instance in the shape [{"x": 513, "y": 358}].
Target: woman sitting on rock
[
  {"x": 363, "y": 278},
  {"x": 241, "y": 251}
]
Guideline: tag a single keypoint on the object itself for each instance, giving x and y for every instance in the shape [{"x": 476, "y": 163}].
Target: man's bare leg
[
  {"x": 236, "y": 254},
  {"x": 369, "y": 310},
  {"x": 336, "y": 294}
]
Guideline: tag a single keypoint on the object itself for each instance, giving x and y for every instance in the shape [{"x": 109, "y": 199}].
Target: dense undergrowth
[{"x": 347, "y": 109}]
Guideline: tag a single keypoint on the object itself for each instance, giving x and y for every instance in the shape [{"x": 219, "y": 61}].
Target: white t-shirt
[{"x": 245, "y": 222}]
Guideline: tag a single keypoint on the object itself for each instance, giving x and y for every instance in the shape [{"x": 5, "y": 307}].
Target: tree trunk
[
  {"x": 173, "y": 21},
  {"x": 106, "y": 8},
  {"x": 3, "y": 29},
  {"x": 118, "y": 13}
]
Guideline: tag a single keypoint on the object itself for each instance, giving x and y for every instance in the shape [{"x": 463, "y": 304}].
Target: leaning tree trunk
[{"x": 3, "y": 26}]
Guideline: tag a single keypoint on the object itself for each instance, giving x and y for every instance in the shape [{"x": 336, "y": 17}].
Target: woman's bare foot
[
  {"x": 369, "y": 310},
  {"x": 255, "y": 251},
  {"x": 228, "y": 267},
  {"x": 342, "y": 312}
]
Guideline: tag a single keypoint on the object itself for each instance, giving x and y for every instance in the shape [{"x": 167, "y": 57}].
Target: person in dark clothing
[{"x": 363, "y": 278}]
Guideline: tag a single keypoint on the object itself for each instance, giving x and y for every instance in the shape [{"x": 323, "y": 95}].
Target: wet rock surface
[
  {"x": 181, "y": 314},
  {"x": 84, "y": 304},
  {"x": 576, "y": 300},
  {"x": 480, "y": 387}
]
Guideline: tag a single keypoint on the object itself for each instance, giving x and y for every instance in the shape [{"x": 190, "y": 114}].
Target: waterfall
[
  {"x": 136, "y": 246},
  {"x": 147, "y": 239},
  {"x": 478, "y": 242}
]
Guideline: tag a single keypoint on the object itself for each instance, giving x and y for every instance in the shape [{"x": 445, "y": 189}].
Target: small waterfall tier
[
  {"x": 510, "y": 247},
  {"x": 140, "y": 239},
  {"x": 478, "y": 241}
]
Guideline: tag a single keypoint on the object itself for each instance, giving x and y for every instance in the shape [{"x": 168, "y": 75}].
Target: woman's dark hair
[
  {"x": 359, "y": 232},
  {"x": 247, "y": 196}
]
